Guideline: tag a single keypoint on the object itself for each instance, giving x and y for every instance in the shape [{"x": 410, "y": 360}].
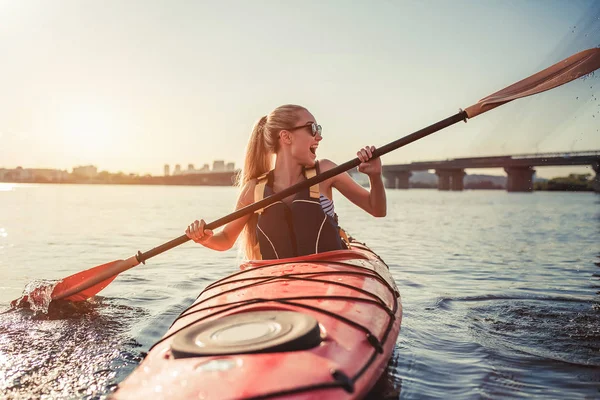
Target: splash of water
[{"x": 36, "y": 296}]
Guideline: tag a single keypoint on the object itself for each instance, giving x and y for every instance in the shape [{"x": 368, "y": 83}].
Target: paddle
[{"x": 83, "y": 285}]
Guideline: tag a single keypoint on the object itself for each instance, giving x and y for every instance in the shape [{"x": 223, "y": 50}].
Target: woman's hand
[
  {"x": 369, "y": 165},
  {"x": 197, "y": 233}
]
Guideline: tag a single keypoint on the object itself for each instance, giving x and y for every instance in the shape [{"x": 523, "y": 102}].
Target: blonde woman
[{"x": 301, "y": 224}]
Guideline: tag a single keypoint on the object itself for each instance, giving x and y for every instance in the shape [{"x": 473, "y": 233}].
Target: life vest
[{"x": 299, "y": 229}]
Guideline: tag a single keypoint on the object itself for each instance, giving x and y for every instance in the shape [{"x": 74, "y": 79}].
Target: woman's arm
[
  {"x": 372, "y": 201},
  {"x": 224, "y": 239}
]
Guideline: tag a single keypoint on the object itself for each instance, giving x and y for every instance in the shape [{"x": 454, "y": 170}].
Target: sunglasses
[{"x": 314, "y": 129}]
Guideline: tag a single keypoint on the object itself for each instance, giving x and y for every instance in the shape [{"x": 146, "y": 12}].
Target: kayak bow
[{"x": 311, "y": 327}]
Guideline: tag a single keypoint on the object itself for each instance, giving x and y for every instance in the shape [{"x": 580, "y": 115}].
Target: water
[{"x": 501, "y": 292}]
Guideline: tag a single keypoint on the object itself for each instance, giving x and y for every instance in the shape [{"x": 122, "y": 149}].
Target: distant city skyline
[
  {"x": 167, "y": 81},
  {"x": 223, "y": 166},
  {"x": 217, "y": 166}
]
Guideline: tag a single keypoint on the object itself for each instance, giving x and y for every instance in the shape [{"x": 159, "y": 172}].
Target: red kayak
[{"x": 311, "y": 327}]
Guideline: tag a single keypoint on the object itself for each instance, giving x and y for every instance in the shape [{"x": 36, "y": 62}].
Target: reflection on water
[
  {"x": 500, "y": 291},
  {"x": 389, "y": 385},
  {"x": 524, "y": 324},
  {"x": 76, "y": 349}
]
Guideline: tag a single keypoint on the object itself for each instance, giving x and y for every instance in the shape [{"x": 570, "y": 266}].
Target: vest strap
[
  {"x": 259, "y": 190},
  {"x": 314, "y": 189}
]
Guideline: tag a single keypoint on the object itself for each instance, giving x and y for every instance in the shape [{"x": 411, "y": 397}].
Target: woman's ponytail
[
  {"x": 258, "y": 157},
  {"x": 260, "y": 151}
]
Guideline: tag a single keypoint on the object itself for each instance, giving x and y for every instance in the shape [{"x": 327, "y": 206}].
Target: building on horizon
[
  {"x": 167, "y": 170},
  {"x": 177, "y": 170},
  {"x": 230, "y": 166},
  {"x": 218, "y": 166},
  {"x": 52, "y": 175},
  {"x": 86, "y": 171},
  {"x": 190, "y": 170},
  {"x": 21, "y": 174},
  {"x": 17, "y": 174}
]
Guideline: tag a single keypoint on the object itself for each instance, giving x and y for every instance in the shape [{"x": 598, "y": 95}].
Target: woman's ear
[{"x": 285, "y": 137}]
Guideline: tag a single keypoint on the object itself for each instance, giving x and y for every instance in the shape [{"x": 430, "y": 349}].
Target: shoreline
[{"x": 161, "y": 182}]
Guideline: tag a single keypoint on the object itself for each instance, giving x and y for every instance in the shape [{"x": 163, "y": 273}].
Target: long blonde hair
[{"x": 260, "y": 151}]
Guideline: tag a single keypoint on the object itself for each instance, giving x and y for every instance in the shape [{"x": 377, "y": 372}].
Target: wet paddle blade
[
  {"x": 80, "y": 278},
  {"x": 565, "y": 71},
  {"x": 86, "y": 293},
  {"x": 85, "y": 284}
]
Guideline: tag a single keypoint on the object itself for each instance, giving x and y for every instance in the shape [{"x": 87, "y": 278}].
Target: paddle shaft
[{"x": 461, "y": 116}]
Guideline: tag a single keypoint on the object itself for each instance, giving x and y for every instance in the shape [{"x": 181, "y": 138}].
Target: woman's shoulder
[
  {"x": 326, "y": 164},
  {"x": 249, "y": 186},
  {"x": 247, "y": 192}
]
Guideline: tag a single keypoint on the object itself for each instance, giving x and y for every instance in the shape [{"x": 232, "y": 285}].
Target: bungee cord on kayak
[
  {"x": 302, "y": 276},
  {"x": 248, "y": 318}
]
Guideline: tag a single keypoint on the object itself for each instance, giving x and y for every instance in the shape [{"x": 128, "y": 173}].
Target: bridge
[{"x": 519, "y": 169}]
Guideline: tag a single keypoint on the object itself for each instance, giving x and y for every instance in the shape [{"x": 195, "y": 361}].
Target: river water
[{"x": 501, "y": 291}]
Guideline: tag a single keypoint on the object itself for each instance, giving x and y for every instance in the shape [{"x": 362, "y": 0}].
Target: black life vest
[{"x": 299, "y": 229}]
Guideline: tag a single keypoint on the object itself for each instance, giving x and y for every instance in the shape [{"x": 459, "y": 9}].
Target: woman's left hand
[{"x": 369, "y": 165}]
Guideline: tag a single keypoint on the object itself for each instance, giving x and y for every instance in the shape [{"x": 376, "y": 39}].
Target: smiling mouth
[{"x": 313, "y": 150}]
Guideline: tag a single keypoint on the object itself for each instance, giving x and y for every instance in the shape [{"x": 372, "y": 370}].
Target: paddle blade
[
  {"x": 85, "y": 293},
  {"x": 78, "y": 280},
  {"x": 565, "y": 71},
  {"x": 85, "y": 284}
]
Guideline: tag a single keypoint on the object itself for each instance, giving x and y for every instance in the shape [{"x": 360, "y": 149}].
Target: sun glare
[{"x": 88, "y": 131}]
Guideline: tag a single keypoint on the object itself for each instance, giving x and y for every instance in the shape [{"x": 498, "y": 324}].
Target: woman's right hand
[{"x": 197, "y": 233}]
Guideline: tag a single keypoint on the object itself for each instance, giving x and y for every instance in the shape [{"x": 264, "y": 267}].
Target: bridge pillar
[
  {"x": 403, "y": 179},
  {"x": 443, "y": 179},
  {"x": 397, "y": 180},
  {"x": 520, "y": 179},
  {"x": 450, "y": 179},
  {"x": 596, "y": 181},
  {"x": 457, "y": 181},
  {"x": 389, "y": 180}
]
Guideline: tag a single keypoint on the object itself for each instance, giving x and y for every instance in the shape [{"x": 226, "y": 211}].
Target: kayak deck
[{"x": 349, "y": 292}]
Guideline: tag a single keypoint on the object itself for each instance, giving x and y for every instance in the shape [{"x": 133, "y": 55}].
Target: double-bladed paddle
[{"x": 85, "y": 284}]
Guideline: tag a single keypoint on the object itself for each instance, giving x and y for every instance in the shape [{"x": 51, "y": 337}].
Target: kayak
[{"x": 311, "y": 327}]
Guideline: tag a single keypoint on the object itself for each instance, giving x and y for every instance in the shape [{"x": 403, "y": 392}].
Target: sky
[{"x": 133, "y": 85}]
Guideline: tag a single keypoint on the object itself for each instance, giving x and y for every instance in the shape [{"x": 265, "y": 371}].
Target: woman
[{"x": 301, "y": 224}]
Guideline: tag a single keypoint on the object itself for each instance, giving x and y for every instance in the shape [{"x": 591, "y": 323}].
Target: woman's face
[{"x": 303, "y": 143}]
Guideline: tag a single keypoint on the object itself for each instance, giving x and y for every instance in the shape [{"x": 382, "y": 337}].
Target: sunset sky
[{"x": 133, "y": 85}]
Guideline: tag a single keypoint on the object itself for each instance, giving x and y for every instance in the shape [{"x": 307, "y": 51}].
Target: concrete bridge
[{"x": 519, "y": 169}]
